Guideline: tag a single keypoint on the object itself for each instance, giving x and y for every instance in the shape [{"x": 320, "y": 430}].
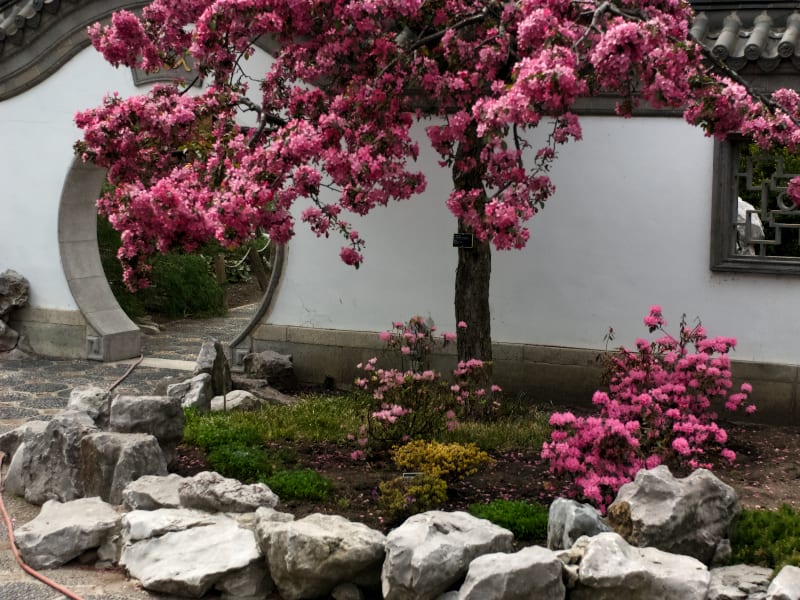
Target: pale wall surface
[
  {"x": 35, "y": 155},
  {"x": 628, "y": 227}
]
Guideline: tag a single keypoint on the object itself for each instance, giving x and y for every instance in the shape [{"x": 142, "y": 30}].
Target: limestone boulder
[
  {"x": 110, "y": 461},
  {"x": 739, "y": 582},
  {"x": 277, "y": 369},
  {"x": 193, "y": 561},
  {"x": 160, "y": 416},
  {"x": 309, "y": 557},
  {"x": 431, "y": 552},
  {"x": 9, "y": 338},
  {"x": 50, "y": 466},
  {"x": 690, "y": 516},
  {"x": 94, "y": 401},
  {"x": 212, "y": 360},
  {"x": 236, "y": 400},
  {"x": 568, "y": 520},
  {"x": 212, "y": 492},
  {"x": 193, "y": 393},
  {"x": 14, "y": 290},
  {"x": 151, "y": 492},
  {"x": 140, "y": 525},
  {"x": 533, "y": 572},
  {"x": 786, "y": 585},
  {"x": 611, "y": 569},
  {"x": 64, "y": 531},
  {"x": 11, "y": 440},
  {"x": 261, "y": 389}
]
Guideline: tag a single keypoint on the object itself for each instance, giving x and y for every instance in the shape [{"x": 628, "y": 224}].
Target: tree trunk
[
  {"x": 474, "y": 264},
  {"x": 472, "y": 300}
]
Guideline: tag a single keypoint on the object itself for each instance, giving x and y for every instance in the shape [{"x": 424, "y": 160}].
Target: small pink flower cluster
[
  {"x": 658, "y": 408},
  {"x": 418, "y": 402}
]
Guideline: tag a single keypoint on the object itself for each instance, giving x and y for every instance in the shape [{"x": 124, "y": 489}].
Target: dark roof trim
[{"x": 38, "y": 36}]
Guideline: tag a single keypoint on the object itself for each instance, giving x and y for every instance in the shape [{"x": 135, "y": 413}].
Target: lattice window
[{"x": 756, "y": 228}]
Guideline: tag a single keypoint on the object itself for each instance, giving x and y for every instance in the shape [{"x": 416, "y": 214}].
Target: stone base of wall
[
  {"x": 548, "y": 375},
  {"x": 52, "y": 333}
]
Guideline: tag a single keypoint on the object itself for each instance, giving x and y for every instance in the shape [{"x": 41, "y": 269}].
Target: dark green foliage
[
  {"x": 304, "y": 484},
  {"x": 108, "y": 242},
  {"x": 769, "y": 538},
  {"x": 180, "y": 284},
  {"x": 526, "y": 521},
  {"x": 212, "y": 431},
  {"x": 245, "y": 463}
]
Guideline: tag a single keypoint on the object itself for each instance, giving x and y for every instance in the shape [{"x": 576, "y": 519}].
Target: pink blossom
[{"x": 461, "y": 325}]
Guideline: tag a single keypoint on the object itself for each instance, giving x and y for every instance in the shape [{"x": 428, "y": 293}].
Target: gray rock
[
  {"x": 13, "y": 482},
  {"x": 153, "y": 491},
  {"x": 13, "y": 292},
  {"x": 685, "y": 516},
  {"x": 214, "y": 493},
  {"x": 236, "y": 400},
  {"x": 9, "y": 338},
  {"x": 62, "y": 532},
  {"x": 110, "y": 461},
  {"x": 533, "y": 572},
  {"x": 212, "y": 360},
  {"x": 94, "y": 401},
  {"x": 738, "y": 582},
  {"x": 160, "y": 416},
  {"x": 193, "y": 393},
  {"x": 612, "y": 569},
  {"x": 250, "y": 583},
  {"x": 431, "y": 552},
  {"x": 347, "y": 591},
  {"x": 277, "y": 369},
  {"x": 568, "y": 520},
  {"x": 261, "y": 389},
  {"x": 192, "y": 561},
  {"x": 140, "y": 525},
  {"x": 50, "y": 467},
  {"x": 265, "y": 515},
  {"x": 786, "y": 585},
  {"x": 11, "y": 440},
  {"x": 307, "y": 558}
]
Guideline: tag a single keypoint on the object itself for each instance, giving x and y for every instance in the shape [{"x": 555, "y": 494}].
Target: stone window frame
[{"x": 724, "y": 217}]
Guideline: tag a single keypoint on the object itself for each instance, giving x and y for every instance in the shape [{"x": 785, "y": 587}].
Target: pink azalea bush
[
  {"x": 659, "y": 408},
  {"x": 417, "y": 402}
]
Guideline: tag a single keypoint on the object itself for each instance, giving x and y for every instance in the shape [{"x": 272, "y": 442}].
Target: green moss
[
  {"x": 525, "y": 520},
  {"x": 303, "y": 484}
]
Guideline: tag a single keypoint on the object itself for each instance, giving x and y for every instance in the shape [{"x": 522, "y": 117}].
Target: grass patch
[
  {"x": 303, "y": 484},
  {"x": 769, "y": 538},
  {"x": 248, "y": 464},
  {"x": 243, "y": 445},
  {"x": 525, "y": 520},
  {"x": 504, "y": 434}
]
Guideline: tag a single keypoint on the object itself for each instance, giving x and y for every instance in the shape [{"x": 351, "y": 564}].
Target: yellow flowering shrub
[
  {"x": 402, "y": 497},
  {"x": 436, "y": 459}
]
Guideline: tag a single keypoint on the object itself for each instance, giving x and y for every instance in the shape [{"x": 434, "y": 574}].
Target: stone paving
[{"x": 39, "y": 388}]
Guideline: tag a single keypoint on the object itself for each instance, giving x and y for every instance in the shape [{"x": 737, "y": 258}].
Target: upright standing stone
[
  {"x": 690, "y": 516},
  {"x": 212, "y": 360}
]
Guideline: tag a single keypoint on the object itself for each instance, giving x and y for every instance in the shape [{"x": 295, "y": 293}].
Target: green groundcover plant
[
  {"x": 770, "y": 538},
  {"x": 527, "y": 521},
  {"x": 303, "y": 484}
]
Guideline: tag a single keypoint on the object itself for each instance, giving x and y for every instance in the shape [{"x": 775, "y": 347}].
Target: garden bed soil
[{"x": 766, "y": 475}]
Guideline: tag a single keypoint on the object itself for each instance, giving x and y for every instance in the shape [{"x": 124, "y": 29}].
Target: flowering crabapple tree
[{"x": 335, "y": 108}]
